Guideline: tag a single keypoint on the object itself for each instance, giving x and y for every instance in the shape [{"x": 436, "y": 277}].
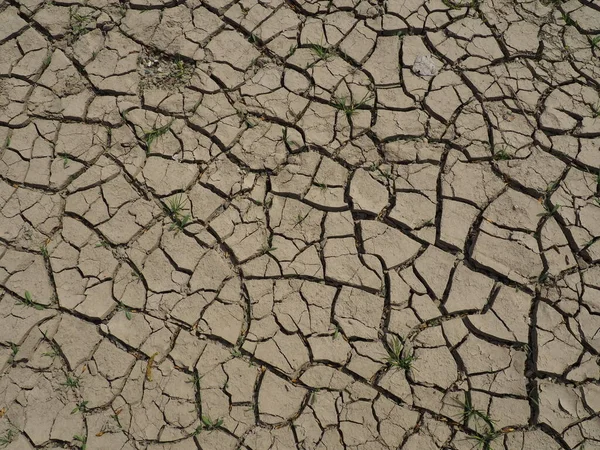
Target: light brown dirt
[{"x": 300, "y": 224}]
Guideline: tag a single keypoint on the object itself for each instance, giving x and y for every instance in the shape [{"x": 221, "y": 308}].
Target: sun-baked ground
[{"x": 299, "y": 224}]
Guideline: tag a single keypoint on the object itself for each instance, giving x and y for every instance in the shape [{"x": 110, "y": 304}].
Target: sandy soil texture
[{"x": 299, "y": 224}]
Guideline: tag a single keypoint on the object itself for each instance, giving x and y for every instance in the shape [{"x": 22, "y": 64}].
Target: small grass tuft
[
  {"x": 396, "y": 357},
  {"x": 28, "y": 301},
  {"x": 208, "y": 424},
  {"x": 155, "y": 133},
  {"x": 174, "y": 209},
  {"x": 549, "y": 211},
  {"x": 72, "y": 382},
  {"x": 349, "y": 106},
  {"x": 323, "y": 53},
  {"x": 126, "y": 310},
  {"x": 483, "y": 441},
  {"x": 568, "y": 19},
  {"x": 502, "y": 155},
  {"x": 595, "y": 41},
  {"x": 55, "y": 348},
  {"x": 78, "y": 23},
  {"x": 179, "y": 222},
  {"x": 470, "y": 413},
  {"x": 81, "y": 406},
  {"x": 47, "y": 61},
  {"x": 7, "y": 437},
  {"x": 336, "y": 332},
  {"x": 115, "y": 417},
  {"x": 180, "y": 71},
  {"x": 450, "y": 5},
  {"x": 82, "y": 441},
  {"x": 268, "y": 249},
  {"x": 313, "y": 397},
  {"x": 175, "y": 205}
]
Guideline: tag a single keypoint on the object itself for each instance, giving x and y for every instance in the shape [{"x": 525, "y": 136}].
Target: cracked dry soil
[{"x": 299, "y": 224}]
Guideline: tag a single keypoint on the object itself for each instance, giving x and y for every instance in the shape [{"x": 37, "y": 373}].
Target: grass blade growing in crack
[
  {"x": 7, "y": 437},
  {"x": 153, "y": 134},
  {"x": 28, "y": 301},
  {"x": 396, "y": 357}
]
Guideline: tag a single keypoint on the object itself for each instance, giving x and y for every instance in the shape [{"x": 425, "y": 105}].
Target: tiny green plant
[
  {"x": 47, "y": 61},
  {"x": 175, "y": 204},
  {"x": 14, "y": 349},
  {"x": 54, "y": 352},
  {"x": 79, "y": 23},
  {"x": 55, "y": 348},
  {"x": 28, "y": 301},
  {"x": 208, "y": 424},
  {"x": 549, "y": 211},
  {"x": 336, "y": 332},
  {"x": 82, "y": 441},
  {"x": 66, "y": 161},
  {"x": 470, "y": 413},
  {"x": 568, "y": 19},
  {"x": 174, "y": 208},
  {"x": 284, "y": 133},
  {"x": 323, "y": 53},
  {"x": 321, "y": 186},
  {"x": 7, "y": 437},
  {"x": 115, "y": 417},
  {"x": 313, "y": 397},
  {"x": 126, "y": 310},
  {"x": 179, "y": 71},
  {"x": 155, "y": 133},
  {"x": 268, "y": 249},
  {"x": 179, "y": 222},
  {"x": 195, "y": 379},
  {"x": 595, "y": 109},
  {"x": 72, "y": 382},
  {"x": 101, "y": 244},
  {"x": 44, "y": 250},
  {"x": 502, "y": 155},
  {"x": 7, "y": 141},
  {"x": 396, "y": 357},
  {"x": 385, "y": 174},
  {"x": 450, "y": 5},
  {"x": 349, "y": 106},
  {"x": 595, "y": 41},
  {"x": 483, "y": 441},
  {"x": 81, "y": 406},
  {"x": 551, "y": 187}
]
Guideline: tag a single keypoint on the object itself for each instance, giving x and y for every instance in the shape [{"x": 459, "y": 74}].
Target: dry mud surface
[{"x": 301, "y": 224}]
